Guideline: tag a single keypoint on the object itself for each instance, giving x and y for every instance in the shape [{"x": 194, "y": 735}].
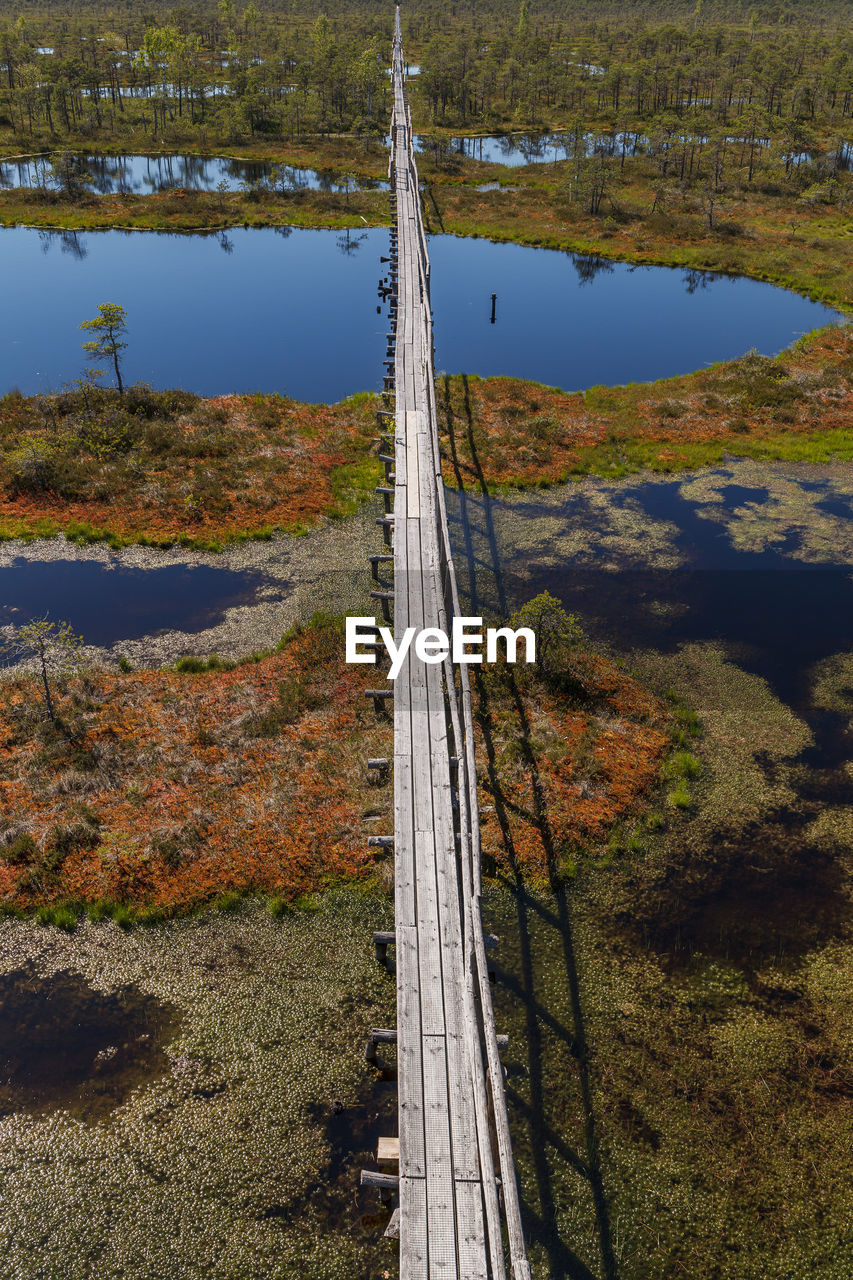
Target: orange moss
[
  {"x": 220, "y": 469},
  {"x": 192, "y": 784},
  {"x": 165, "y": 790},
  {"x": 555, "y": 780},
  {"x": 503, "y": 431}
]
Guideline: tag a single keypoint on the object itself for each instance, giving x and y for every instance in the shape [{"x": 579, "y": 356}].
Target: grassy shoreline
[
  {"x": 759, "y": 232},
  {"x": 169, "y": 469}
]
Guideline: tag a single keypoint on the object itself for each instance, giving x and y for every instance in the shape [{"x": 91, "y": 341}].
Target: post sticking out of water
[{"x": 494, "y": 301}]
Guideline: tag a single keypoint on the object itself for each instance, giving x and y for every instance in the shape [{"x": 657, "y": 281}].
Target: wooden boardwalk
[{"x": 458, "y": 1201}]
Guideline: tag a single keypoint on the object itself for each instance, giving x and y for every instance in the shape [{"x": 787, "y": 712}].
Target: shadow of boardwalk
[{"x": 481, "y": 579}]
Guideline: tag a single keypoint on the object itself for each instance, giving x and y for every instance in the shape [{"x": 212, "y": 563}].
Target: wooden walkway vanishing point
[{"x": 458, "y": 1200}]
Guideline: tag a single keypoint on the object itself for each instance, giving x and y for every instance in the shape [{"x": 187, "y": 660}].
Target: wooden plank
[
  {"x": 466, "y": 1161},
  {"x": 413, "y": 1229},
  {"x": 409, "y": 1057},
  {"x": 441, "y": 1217},
  {"x": 412, "y": 482},
  {"x": 429, "y": 946},
  {"x": 471, "y": 1232},
  {"x": 388, "y": 1151}
]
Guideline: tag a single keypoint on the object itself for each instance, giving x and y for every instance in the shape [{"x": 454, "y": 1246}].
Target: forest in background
[{"x": 228, "y": 71}]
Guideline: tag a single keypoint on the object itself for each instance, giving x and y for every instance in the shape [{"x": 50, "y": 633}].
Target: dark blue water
[
  {"x": 576, "y": 322},
  {"x": 293, "y": 311},
  {"x": 106, "y": 603},
  {"x": 296, "y": 311},
  {"x": 516, "y": 149},
  {"x": 144, "y": 175},
  {"x": 775, "y": 613}
]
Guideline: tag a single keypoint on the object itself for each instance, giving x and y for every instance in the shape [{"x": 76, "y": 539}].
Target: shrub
[
  {"x": 62, "y": 916},
  {"x": 20, "y": 850},
  {"x": 123, "y": 917},
  {"x": 31, "y": 468},
  {"x": 206, "y": 496},
  {"x": 294, "y": 699},
  {"x": 763, "y": 382},
  {"x": 681, "y": 764},
  {"x": 173, "y": 847},
  {"x": 688, "y": 720},
  {"x": 191, "y": 664},
  {"x": 265, "y": 412},
  {"x": 557, "y": 633},
  {"x": 79, "y": 835},
  {"x": 36, "y": 467},
  {"x": 671, "y": 409}
]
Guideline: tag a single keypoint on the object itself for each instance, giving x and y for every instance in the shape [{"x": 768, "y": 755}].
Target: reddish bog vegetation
[
  {"x": 160, "y": 789},
  {"x": 563, "y": 761},
  {"x": 502, "y": 431},
  {"x": 167, "y": 466}
]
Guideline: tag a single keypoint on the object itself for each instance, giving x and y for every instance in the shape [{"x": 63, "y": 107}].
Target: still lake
[
  {"x": 144, "y": 175},
  {"x": 297, "y": 311}
]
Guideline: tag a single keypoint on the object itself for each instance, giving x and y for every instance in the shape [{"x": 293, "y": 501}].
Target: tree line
[
  {"x": 234, "y": 74},
  {"x": 230, "y": 71}
]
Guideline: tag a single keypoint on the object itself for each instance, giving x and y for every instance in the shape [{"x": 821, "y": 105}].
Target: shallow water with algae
[
  {"x": 679, "y": 1007},
  {"x": 208, "y": 1106}
]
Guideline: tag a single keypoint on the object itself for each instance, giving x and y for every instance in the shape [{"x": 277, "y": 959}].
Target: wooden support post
[
  {"x": 379, "y": 1035},
  {"x": 375, "y": 562},
  {"x": 385, "y": 598},
  {"x": 379, "y": 696},
  {"x": 380, "y": 763},
  {"x": 387, "y": 524},
  {"x": 387, "y": 1183},
  {"x": 380, "y": 842},
  {"x": 381, "y": 943}
]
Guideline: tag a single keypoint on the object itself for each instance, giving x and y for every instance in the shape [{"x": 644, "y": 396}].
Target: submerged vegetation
[
  {"x": 678, "y": 1000},
  {"x": 226, "y": 1139}
]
